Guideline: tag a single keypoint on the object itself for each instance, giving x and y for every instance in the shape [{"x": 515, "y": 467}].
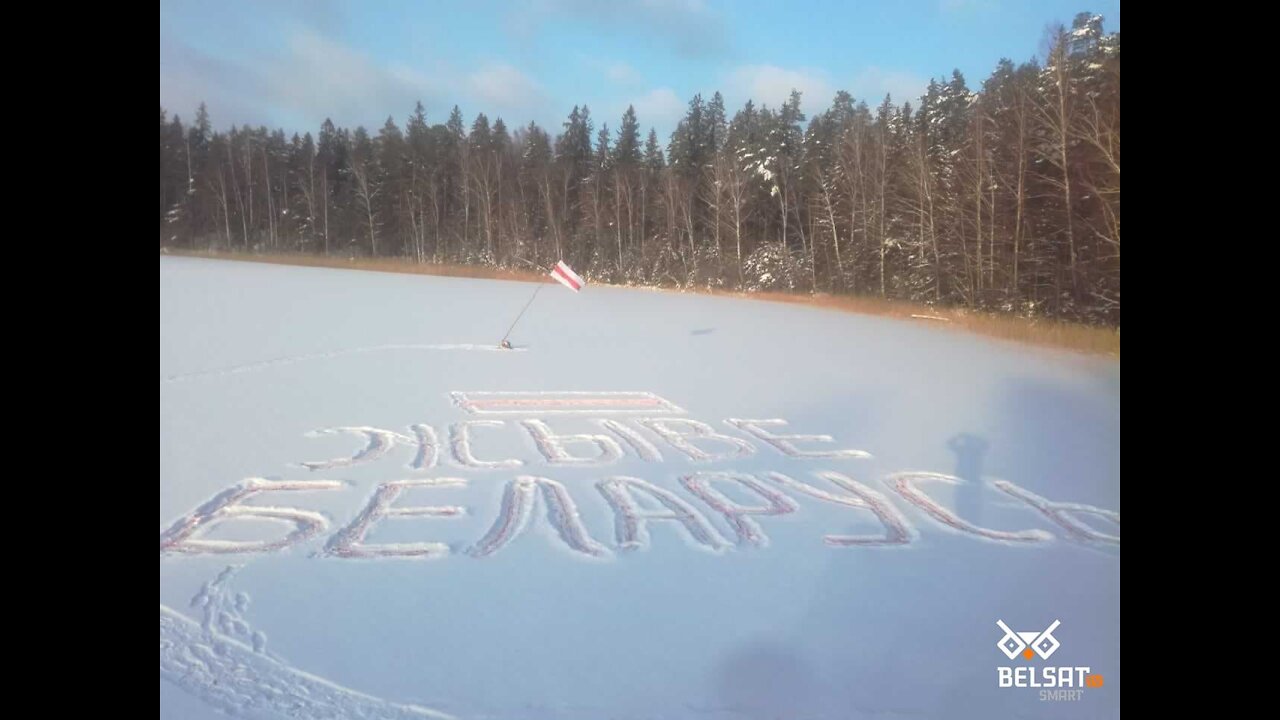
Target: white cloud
[
  {"x": 659, "y": 108},
  {"x": 622, "y": 73},
  {"x": 311, "y": 78},
  {"x": 873, "y": 83},
  {"x": 322, "y": 78},
  {"x": 691, "y": 28},
  {"x": 501, "y": 86},
  {"x": 961, "y": 6},
  {"x": 772, "y": 85},
  {"x": 314, "y": 77}
]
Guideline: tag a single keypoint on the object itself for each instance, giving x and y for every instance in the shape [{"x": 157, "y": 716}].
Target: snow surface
[{"x": 580, "y": 563}]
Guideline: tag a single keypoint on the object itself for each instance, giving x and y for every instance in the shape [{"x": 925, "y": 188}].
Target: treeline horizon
[{"x": 1004, "y": 198}]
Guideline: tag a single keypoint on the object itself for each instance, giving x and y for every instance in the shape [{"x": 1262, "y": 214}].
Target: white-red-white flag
[{"x": 567, "y": 277}]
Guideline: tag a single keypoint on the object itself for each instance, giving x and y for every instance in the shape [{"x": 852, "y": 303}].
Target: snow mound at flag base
[{"x": 264, "y": 364}]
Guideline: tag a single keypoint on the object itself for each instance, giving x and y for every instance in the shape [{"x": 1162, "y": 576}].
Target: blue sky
[{"x": 292, "y": 63}]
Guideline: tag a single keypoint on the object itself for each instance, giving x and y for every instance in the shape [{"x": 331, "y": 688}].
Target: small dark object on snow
[{"x": 506, "y": 345}]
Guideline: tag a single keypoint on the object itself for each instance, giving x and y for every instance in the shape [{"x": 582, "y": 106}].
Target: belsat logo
[
  {"x": 1043, "y": 643},
  {"x": 1062, "y": 682}
]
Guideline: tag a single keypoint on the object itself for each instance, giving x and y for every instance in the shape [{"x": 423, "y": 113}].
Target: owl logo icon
[{"x": 1043, "y": 643}]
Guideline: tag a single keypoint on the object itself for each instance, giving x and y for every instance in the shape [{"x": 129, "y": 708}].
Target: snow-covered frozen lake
[{"x": 367, "y": 510}]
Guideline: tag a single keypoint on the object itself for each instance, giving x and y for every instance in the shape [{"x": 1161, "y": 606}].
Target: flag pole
[{"x": 526, "y": 307}]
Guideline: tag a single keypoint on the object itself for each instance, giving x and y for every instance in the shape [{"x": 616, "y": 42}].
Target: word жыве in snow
[{"x": 631, "y": 517}]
